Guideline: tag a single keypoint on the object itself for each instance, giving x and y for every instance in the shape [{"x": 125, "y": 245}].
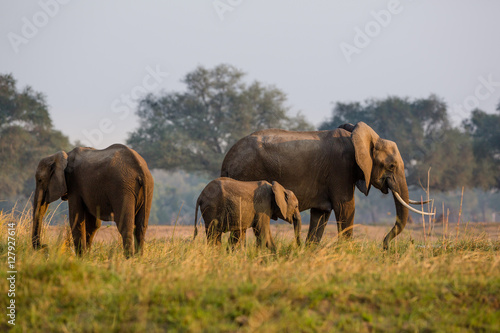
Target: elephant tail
[
  {"x": 198, "y": 202},
  {"x": 143, "y": 217},
  {"x": 147, "y": 204}
]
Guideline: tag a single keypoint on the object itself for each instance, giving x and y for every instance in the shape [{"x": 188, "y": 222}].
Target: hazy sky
[{"x": 94, "y": 59}]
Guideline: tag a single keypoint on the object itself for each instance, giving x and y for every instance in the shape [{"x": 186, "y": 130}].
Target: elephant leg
[
  {"x": 237, "y": 237},
  {"x": 234, "y": 238},
  {"x": 214, "y": 235},
  {"x": 266, "y": 231},
  {"x": 262, "y": 230},
  {"x": 91, "y": 225},
  {"x": 259, "y": 232},
  {"x": 258, "y": 239},
  {"x": 344, "y": 213},
  {"x": 319, "y": 220},
  {"x": 218, "y": 239},
  {"x": 125, "y": 224},
  {"x": 141, "y": 225},
  {"x": 77, "y": 225},
  {"x": 261, "y": 237}
]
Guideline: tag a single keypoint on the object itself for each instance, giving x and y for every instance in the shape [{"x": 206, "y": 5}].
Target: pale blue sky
[{"x": 87, "y": 56}]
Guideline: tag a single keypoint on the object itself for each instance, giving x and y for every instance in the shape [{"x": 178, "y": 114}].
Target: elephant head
[
  {"x": 287, "y": 208},
  {"x": 50, "y": 186},
  {"x": 382, "y": 166}
]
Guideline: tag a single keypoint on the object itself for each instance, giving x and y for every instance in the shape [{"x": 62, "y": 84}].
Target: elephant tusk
[
  {"x": 413, "y": 202},
  {"x": 396, "y": 194}
]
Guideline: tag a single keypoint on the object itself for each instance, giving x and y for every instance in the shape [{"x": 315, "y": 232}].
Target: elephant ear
[
  {"x": 364, "y": 139},
  {"x": 280, "y": 197},
  {"x": 57, "y": 183}
]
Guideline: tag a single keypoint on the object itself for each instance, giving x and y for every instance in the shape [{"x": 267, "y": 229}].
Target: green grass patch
[{"x": 184, "y": 286}]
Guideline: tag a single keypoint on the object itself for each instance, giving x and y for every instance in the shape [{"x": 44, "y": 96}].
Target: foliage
[
  {"x": 448, "y": 285},
  {"x": 194, "y": 129},
  {"x": 484, "y": 128},
  {"x": 175, "y": 197},
  {"x": 26, "y": 135},
  {"x": 451, "y": 160}
]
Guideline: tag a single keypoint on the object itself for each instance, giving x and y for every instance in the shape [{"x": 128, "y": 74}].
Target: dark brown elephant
[
  {"x": 113, "y": 184},
  {"x": 322, "y": 168},
  {"x": 230, "y": 205}
]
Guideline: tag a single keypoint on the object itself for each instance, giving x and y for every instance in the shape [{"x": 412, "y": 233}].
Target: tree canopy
[
  {"x": 193, "y": 130},
  {"x": 26, "y": 135},
  {"x": 484, "y": 129}
]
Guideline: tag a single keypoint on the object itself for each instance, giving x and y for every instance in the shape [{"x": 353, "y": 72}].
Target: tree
[
  {"x": 451, "y": 159},
  {"x": 422, "y": 131},
  {"x": 484, "y": 128},
  {"x": 26, "y": 135},
  {"x": 193, "y": 130}
]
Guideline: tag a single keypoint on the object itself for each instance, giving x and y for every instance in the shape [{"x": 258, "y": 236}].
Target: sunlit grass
[{"x": 445, "y": 284}]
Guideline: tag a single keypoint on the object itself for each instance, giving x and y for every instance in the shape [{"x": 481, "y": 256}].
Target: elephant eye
[{"x": 392, "y": 166}]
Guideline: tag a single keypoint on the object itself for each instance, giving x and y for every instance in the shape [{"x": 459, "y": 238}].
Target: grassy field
[{"x": 422, "y": 284}]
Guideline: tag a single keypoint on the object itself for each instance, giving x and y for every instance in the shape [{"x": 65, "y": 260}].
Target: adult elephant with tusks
[
  {"x": 322, "y": 168},
  {"x": 113, "y": 184}
]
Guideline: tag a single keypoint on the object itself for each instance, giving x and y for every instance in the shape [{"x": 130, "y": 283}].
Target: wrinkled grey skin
[
  {"x": 113, "y": 184},
  {"x": 230, "y": 205},
  {"x": 322, "y": 168}
]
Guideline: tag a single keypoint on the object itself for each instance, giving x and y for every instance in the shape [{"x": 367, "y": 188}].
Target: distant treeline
[{"x": 187, "y": 134}]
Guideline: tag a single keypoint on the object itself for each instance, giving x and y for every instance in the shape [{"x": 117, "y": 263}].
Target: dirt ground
[{"x": 488, "y": 230}]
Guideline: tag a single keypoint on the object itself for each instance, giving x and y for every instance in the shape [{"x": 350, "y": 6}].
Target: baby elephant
[{"x": 231, "y": 205}]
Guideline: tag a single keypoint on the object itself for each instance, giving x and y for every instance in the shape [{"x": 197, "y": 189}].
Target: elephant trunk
[
  {"x": 39, "y": 209},
  {"x": 198, "y": 202},
  {"x": 398, "y": 185},
  {"x": 297, "y": 226}
]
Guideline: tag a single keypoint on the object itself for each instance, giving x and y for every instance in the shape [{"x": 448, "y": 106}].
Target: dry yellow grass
[
  {"x": 450, "y": 285},
  {"x": 488, "y": 230}
]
